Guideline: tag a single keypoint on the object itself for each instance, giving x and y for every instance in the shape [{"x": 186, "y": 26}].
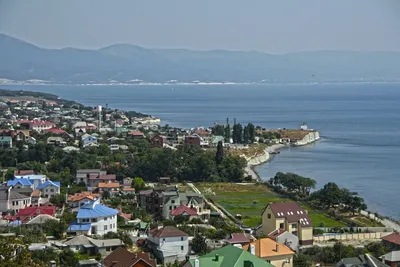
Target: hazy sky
[{"x": 272, "y": 26}]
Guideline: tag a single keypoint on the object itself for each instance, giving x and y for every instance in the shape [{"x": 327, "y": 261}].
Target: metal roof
[
  {"x": 79, "y": 226},
  {"x": 22, "y": 181},
  {"x": 48, "y": 183},
  {"x": 94, "y": 210}
]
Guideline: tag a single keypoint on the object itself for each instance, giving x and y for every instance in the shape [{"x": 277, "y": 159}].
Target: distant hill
[{"x": 22, "y": 61}]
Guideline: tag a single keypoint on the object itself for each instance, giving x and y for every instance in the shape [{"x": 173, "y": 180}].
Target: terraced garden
[{"x": 249, "y": 200}]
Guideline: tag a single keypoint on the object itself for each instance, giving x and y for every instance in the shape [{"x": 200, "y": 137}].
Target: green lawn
[{"x": 250, "y": 200}]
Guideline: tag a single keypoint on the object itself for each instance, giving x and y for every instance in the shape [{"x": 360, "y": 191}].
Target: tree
[
  {"x": 138, "y": 183},
  {"x": 67, "y": 258},
  {"x": 219, "y": 156},
  {"x": 10, "y": 174},
  {"x": 246, "y": 135},
  {"x": 199, "y": 245},
  {"x": 58, "y": 200},
  {"x": 302, "y": 260},
  {"x": 252, "y": 132}
]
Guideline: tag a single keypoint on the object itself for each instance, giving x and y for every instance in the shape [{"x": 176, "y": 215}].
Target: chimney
[
  {"x": 196, "y": 263},
  {"x": 277, "y": 247},
  {"x": 252, "y": 249},
  {"x": 217, "y": 257}
]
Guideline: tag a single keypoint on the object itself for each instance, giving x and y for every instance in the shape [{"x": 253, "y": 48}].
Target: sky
[{"x": 279, "y": 26}]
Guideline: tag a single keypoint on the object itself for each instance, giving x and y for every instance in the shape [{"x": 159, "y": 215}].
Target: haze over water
[{"x": 359, "y": 125}]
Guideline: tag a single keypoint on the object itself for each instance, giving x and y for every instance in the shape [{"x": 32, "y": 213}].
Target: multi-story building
[
  {"x": 165, "y": 200},
  {"x": 35, "y": 179},
  {"x": 287, "y": 216},
  {"x": 11, "y": 200},
  {"x": 80, "y": 199},
  {"x": 49, "y": 188},
  {"x": 83, "y": 175},
  {"x": 169, "y": 243},
  {"x": 40, "y": 126},
  {"x": 94, "y": 219}
]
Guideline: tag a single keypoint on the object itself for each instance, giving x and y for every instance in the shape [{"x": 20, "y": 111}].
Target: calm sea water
[{"x": 359, "y": 124}]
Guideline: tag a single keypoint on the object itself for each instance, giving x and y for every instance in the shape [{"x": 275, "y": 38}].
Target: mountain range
[{"x": 125, "y": 63}]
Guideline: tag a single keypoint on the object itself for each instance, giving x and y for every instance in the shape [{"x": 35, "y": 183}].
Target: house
[
  {"x": 227, "y": 256},
  {"x": 20, "y": 183},
  {"x": 193, "y": 140},
  {"x": 111, "y": 188},
  {"x": 21, "y": 135},
  {"x": 95, "y": 180},
  {"x": 284, "y": 237},
  {"x": 41, "y": 126},
  {"x": 288, "y": 216},
  {"x": 49, "y": 188},
  {"x": 86, "y": 245},
  {"x": 392, "y": 241},
  {"x": 28, "y": 213},
  {"x": 30, "y": 140},
  {"x": 182, "y": 210},
  {"x": 168, "y": 244},
  {"x": 36, "y": 197},
  {"x": 35, "y": 179},
  {"x": 392, "y": 258},
  {"x": 88, "y": 140},
  {"x": 135, "y": 134},
  {"x": 5, "y": 142},
  {"x": 365, "y": 260},
  {"x": 11, "y": 200},
  {"x": 94, "y": 219},
  {"x": 164, "y": 180},
  {"x": 37, "y": 221},
  {"x": 121, "y": 257},
  {"x": 272, "y": 252},
  {"x": 158, "y": 140},
  {"x": 240, "y": 239},
  {"x": 216, "y": 139},
  {"x": 162, "y": 201},
  {"x": 80, "y": 199},
  {"x": 56, "y": 140},
  {"x": 82, "y": 175}
]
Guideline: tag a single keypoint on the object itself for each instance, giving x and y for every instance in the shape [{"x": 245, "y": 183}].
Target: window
[
  {"x": 294, "y": 225},
  {"x": 281, "y": 226},
  {"x": 269, "y": 215},
  {"x": 110, "y": 226},
  {"x": 105, "y": 218},
  {"x": 173, "y": 201},
  {"x": 51, "y": 190},
  {"x": 182, "y": 248},
  {"x": 47, "y": 190},
  {"x": 182, "y": 238},
  {"x": 94, "y": 220},
  {"x": 105, "y": 227},
  {"x": 170, "y": 207},
  {"x": 268, "y": 261},
  {"x": 163, "y": 239},
  {"x": 108, "y": 248}
]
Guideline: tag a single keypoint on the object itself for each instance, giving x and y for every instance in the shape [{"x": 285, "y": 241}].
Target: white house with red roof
[{"x": 41, "y": 126}]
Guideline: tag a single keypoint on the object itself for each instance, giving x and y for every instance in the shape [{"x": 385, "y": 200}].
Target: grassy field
[{"x": 250, "y": 199}]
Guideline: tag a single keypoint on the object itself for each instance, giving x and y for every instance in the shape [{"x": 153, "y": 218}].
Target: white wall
[
  {"x": 110, "y": 222},
  {"x": 172, "y": 246},
  {"x": 47, "y": 191}
]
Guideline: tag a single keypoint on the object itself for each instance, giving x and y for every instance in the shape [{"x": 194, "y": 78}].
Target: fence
[{"x": 359, "y": 236}]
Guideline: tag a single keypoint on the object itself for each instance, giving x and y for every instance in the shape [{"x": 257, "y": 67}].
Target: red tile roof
[
  {"x": 167, "y": 231},
  {"x": 109, "y": 185},
  {"x": 292, "y": 212},
  {"x": 41, "y": 123},
  {"x": 392, "y": 238},
  {"x": 33, "y": 211},
  {"x": 136, "y": 133},
  {"x": 55, "y": 131},
  {"x": 121, "y": 257},
  {"x": 182, "y": 209},
  {"x": 23, "y": 172},
  {"x": 238, "y": 238}
]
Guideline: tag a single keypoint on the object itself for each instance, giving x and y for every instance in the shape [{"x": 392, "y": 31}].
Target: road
[{"x": 194, "y": 188}]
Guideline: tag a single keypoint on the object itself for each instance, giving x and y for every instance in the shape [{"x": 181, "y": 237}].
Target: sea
[{"x": 359, "y": 125}]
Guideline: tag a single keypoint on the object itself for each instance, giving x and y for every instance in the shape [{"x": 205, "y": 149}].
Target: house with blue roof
[
  {"x": 94, "y": 219},
  {"x": 35, "y": 179},
  {"x": 49, "y": 188},
  {"x": 88, "y": 140},
  {"x": 20, "y": 183}
]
